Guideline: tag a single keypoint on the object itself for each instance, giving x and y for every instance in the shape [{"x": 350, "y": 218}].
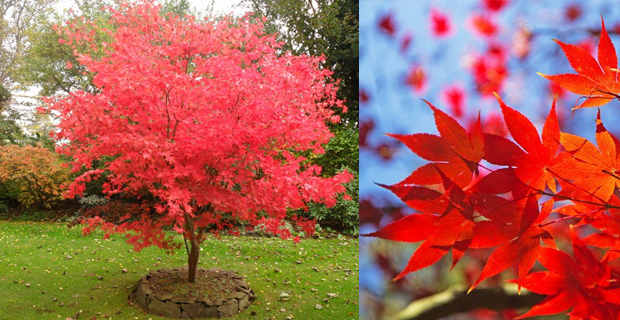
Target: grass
[{"x": 48, "y": 271}]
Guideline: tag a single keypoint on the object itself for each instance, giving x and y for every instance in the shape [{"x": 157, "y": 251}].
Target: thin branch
[
  {"x": 611, "y": 174},
  {"x": 582, "y": 189},
  {"x": 577, "y": 216},
  {"x": 603, "y": 203},
  {"x": 456, "y": 300}
]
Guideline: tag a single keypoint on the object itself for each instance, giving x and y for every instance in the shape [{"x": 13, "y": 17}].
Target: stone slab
[
  {"x": 228, "y": 309},
  {"x": 199, "y": 310},
  {"x": 166, "y": 309}
]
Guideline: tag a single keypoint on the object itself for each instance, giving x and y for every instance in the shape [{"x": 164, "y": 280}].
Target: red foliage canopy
[{"x": 209, "y": 117}]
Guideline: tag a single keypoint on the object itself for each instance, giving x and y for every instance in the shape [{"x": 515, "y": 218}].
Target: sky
[{"x": 219, "y": 6}]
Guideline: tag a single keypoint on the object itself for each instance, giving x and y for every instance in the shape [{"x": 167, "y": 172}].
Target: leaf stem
[{"x": 579, "y": 215}]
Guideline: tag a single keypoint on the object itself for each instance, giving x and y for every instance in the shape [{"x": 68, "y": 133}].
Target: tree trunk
[
  {"x": 193, "y": 253},
  {"x": 192, "y": 260}
]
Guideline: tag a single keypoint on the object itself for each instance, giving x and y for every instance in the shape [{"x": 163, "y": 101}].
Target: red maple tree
[
  {"x": 209, "y": 118},
  {"x": 482, "y": 190}
]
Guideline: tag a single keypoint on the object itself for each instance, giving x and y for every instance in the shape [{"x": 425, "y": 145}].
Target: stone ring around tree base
[{"x": 156, "y": 293}]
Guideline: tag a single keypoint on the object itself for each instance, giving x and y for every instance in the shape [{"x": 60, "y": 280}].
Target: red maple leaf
[
  {"x": 606, "y": 241},
  {"x": 455, "y": 152},
  {"x": 595, "y": 172},
  {"x": 445, "y": 224},
  {"x": 597, "y": 81},
  {"x": 584, "y": 283},
  {"x": 534, "y": 164},
  {"x": 524, "y": 249}
]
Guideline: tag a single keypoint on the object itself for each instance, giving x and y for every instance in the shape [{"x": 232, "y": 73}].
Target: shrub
[
  {"x": 343, "y": 216},
  {"x": 31, "y": 176},
  {"x": 342, "y": 152}
]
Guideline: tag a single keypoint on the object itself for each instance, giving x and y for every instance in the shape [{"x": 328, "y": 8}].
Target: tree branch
[{"x": 456, "y": 300}]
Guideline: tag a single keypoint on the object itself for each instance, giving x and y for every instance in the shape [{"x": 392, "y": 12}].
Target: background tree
[
  {"x": 320, "y": 27},
  {"x": 203, "y": 116},
  {"x": 10, "y": 131},
  {"x": 16, "y": 17},
  {"x": 44, "y": 65},
  {"x": 330, "y": 28},
  {"x": 341, "y": 153}
]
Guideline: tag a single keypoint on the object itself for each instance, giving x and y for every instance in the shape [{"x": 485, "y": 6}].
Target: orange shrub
[{"x": 33, "y": 176}]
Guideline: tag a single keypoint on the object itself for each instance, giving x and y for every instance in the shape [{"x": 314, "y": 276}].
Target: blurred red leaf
[
  {"x": 483, "y": 25},
  {"x": 440, "y": 23},
  {"x": 454, "y": 97},
  {"x": 489, "y": 76},
  {"x": 404, "y": 45},
  {"x": 416, "y": 78},
  {"x": 572, "y": 12},
  {"x": 365, "y": 128},
  {"x": 364, "y": 96},
  {"x": 494, "y": 5},
  {"x": 369, "y": 213},
  {"x": 386, "y": 24}
]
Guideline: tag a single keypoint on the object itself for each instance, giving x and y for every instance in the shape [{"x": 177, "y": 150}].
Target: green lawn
[{"x": 62, "y": 267}]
